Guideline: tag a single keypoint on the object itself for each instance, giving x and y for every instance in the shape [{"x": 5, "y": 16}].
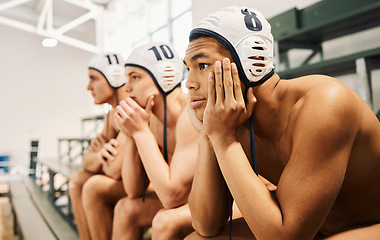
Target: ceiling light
[{"x": 49, "y": 42}]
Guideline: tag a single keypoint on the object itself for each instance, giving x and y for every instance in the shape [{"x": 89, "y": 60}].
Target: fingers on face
[
  {"x": 211, "y": 89},
  {"x": 123, "y": 110},
  {"x": 219, "y": 88},
  {"x": 236, "y": 83},
  {"x": 227, "y": 80},
  {"x": 150, "y": 104},
  {"x": 132, "y": 104}
]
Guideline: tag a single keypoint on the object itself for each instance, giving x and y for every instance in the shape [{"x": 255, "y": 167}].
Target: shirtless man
[
  {"x": 316, "y": 140},
  {"x": 104, "y": 155},
  {"x": 164, "y": 147}
]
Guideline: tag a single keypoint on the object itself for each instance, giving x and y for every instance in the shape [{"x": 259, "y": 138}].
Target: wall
[
  {"x": 269, "y": 8},
  {"x": 42, "y": 94}
]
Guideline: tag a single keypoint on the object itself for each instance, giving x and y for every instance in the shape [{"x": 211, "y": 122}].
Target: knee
[
  {"x": 163, "y": 225},
  {"x": 91, "y": 189},
  {"x": 77, "y": 181},
  {"x": 126, "y": 211}
]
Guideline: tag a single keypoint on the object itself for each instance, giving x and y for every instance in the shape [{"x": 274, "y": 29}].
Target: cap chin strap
[{"x": 116, "y": 95}]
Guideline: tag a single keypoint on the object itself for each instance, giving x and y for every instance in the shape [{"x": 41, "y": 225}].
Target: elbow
[
  {"x": 174, "y": 199},
  {"x": 134, "y": 192},
  {"x": 207, "y": 229},
  {"x": 172, "y": 202}
]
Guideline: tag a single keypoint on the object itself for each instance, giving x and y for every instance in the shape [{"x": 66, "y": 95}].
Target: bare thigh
[
  {"x": 79, "y": 178},
  {"x": 371, "y": 232},
  {"x": 109, "y": 189},
  {"x": 239, "y": 231}
]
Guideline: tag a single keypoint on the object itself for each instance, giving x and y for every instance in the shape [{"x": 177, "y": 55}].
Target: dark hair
[{"x": 195, "y": 36}]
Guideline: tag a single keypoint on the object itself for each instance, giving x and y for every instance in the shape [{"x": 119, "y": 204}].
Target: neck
[
  {"x": 121, "y": 95},
  {"x": 175, "y": 102},
  {"x": 267, "y": 110}
]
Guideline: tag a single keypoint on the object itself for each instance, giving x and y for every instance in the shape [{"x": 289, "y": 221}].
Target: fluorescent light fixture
[{"x": 49, "y": 42}]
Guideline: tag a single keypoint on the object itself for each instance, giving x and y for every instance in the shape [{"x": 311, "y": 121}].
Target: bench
[
  {"x": 35, "y": 217},
  {"x": 59, "y": 173}
]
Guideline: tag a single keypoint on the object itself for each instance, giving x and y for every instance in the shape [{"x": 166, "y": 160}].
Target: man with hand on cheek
[
  {"x": 312, "y": 137},
  {"x": 164, "y": 147}
]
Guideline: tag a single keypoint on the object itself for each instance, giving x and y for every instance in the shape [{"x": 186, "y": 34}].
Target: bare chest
[
  {"x": 162, "y": 136},
  {"x": 271, "y": 156}
]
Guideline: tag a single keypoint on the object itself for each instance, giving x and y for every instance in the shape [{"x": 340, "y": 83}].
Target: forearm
[
  {"x": 132, "y": 173},
  {"x": 258, "y": 206},
  {"x": 208, "y": 200},
  {"x": 91, "y": 162},
  {"x": 169, "y": 192}
]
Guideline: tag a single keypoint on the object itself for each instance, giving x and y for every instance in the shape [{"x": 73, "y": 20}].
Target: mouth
[{"x": 196, "y": 102}]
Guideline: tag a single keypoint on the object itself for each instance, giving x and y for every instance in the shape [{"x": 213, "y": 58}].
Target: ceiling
[{"x": 74, "y": 22}]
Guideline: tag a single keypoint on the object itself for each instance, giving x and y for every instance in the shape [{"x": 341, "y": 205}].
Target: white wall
[{"x": 42, "y": 94}]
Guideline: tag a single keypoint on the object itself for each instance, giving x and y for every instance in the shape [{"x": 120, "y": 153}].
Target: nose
[
  {"x": 127, "y": 87},
  {"x": 89, "y": 86},
  {"x": 192, "y": 82}
]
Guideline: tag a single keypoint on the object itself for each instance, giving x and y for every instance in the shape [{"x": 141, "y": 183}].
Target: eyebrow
[
  {"x": 197, "y": 56},
  {"x": 133, "y": 72}
]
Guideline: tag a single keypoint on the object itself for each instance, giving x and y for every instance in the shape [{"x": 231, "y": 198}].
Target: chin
[{"x": 139, "y": 103}]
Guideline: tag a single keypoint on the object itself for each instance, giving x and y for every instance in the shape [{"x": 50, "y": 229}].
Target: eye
[
  {"x": 135, "y": 77},
  {"x": 203, "y": 66}
]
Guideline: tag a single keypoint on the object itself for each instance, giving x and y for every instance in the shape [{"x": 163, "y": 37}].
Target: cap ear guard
[
  {"x": 115, "y": 75},
  {"x": 168, "y": 75},
  {"x": 111, "y": 66},
  {"x": 256, "y": 57}
]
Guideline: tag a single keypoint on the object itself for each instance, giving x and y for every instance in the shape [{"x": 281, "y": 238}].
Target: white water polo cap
[
  {"x": 111, "y": 66},
  {"x": 162, "y": 62},
  {"x": 247, "y": 35}
]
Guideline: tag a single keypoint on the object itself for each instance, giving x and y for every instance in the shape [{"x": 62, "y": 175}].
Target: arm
[
  {"x": 208, "y": 200},
  {"x": 312, "y": 178},
  {"x": 91, "y": 161},
  {"x": 172, "y": 183},
  {"x": 90, "y": 158},
  {"x": 133, "y": 172},
  {"x": 113, "y": 155}
]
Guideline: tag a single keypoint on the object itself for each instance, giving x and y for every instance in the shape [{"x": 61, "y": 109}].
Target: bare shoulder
[
  {"x": 326, "y": 109},
  {"x": 324, "y": 97}
]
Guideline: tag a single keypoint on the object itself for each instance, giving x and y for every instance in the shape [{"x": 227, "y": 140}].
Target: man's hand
[
  {"x": 226, "y": 110},
  {"x": 97, "y": 143},
  {"x": 131, "y": 117},
  {"x": 108, "y": 152}
]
